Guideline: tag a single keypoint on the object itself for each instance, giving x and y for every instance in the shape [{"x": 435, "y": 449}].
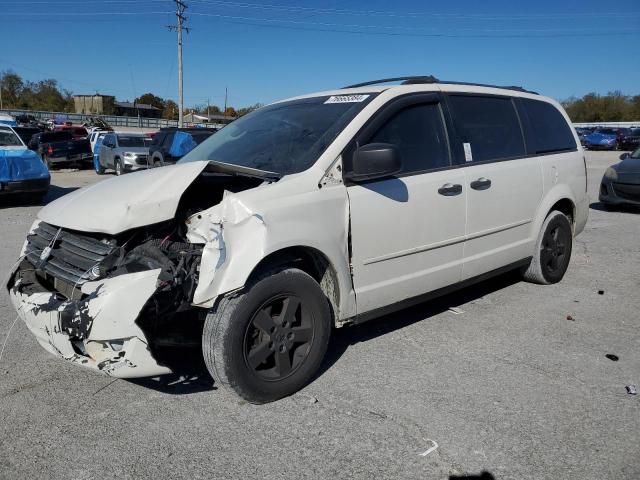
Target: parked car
[
  {"x": 630, "y": 139},
  {"x": 171, "y": 144},
  {"x": 7, "y": 120},
  {"x": 94, "y": 135},
  {"x": 21, "y": 170},
  {"x": 76, "y": 131},
  {"x": 60, "y": 147},
  {"x": 123, "y": 152},
  {"x": 602, "y": 139},
  {"x": 26, "y": 133},
  {"x": 621, "y": 182},
  {"x": 311, "y": 213},
  {"x": 582, "y": 133}
]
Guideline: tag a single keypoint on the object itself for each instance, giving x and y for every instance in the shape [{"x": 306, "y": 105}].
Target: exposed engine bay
[{"x": 76, "y": 268}]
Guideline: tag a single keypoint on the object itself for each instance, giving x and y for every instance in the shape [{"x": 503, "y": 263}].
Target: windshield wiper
[{"x": 233, "y": 169}]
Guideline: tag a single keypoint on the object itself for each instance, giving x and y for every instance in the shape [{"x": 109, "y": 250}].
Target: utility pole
[
  {"x": 224, "y": 113},
  {"x": 180, "y": 8}
]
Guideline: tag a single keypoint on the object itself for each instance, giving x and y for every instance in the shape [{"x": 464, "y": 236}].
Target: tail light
[{"x": 49, "y": 150}]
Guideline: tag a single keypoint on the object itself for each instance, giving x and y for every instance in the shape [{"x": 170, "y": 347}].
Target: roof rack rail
[
  {"x": 412, "y": 78},
  {"x": 419, "y": 79}
]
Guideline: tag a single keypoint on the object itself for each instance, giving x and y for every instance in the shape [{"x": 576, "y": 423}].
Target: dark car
[
  {"x": 59, "y": 147},
  {"x": 26, "y": 133},
  {"x": 170, "y": 144},
  {"x": 630, "y": 139},
  {"x": 621, "y": 182}
]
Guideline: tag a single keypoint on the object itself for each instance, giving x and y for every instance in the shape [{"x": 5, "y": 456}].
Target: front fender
[{"x": 238, "y": 234}]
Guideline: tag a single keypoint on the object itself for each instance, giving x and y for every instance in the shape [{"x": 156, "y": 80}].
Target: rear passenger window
[
  {"x": 490, "y": 127},
  {"x": 419, "y": 134},
  {"x": 551, "y": 133}
]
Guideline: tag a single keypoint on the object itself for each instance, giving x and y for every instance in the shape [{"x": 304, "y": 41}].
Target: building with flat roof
[
  {"x": 132, "y": 109},
  {"x": 94, "y": 104}
]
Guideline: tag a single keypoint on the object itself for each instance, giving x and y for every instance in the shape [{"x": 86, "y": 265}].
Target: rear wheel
[
  {"x": 269, "y": 341},
  {"x": 553, "y": 250}
]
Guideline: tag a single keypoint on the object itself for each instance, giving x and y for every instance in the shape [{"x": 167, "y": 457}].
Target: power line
[
  {"x": 348, "y": 28},
  {"x": 476, "y": 16}
]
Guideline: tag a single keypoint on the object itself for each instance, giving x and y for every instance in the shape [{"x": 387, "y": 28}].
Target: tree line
[
  {"x": 47, "y": 95},
  {"x": 612, "y": 107}
]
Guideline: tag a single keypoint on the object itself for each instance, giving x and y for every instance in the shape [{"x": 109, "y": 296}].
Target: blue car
[
  {"x": 22, "y": 171},
  {"x": 602, "y": 139}
]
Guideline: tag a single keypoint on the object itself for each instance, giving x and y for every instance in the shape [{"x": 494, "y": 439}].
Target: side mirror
[
  {"x": 373, "y": 161},
  {"x": 625, "y": 155}
]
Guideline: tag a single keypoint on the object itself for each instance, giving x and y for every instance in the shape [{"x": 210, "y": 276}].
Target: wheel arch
[
  {"x": 560, "y": 198},
  {"x": 311, "y": 261}
]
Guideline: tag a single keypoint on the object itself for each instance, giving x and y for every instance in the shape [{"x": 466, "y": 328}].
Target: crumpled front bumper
[{"x": 98, "y": 331}]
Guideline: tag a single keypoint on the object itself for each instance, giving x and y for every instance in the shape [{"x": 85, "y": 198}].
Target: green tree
[
  {"x": 151, "y": 99},
  {"x": 170, "y": 110}
]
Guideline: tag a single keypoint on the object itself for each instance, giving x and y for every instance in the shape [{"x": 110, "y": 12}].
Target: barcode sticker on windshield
[
  {"x": 346, "y": 99},
  {"x": 468, "y": 156}
]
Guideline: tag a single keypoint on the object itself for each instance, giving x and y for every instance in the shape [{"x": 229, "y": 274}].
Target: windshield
[
  {"x": 635, "y": 132},
  {"x": 9, "y": 139},
  {"x": 137, "y": 141},
  {"x": 285, "y": 137},
  {"x": 606, "y": 131}
]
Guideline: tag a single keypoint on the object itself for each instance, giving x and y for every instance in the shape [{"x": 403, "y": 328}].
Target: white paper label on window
[
  {"x": 468, "y": 156},
  {"x": 346, "y": 99}
]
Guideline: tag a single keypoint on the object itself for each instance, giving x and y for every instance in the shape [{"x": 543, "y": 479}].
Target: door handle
[
  {"x": 450, "y": 189},
  {"x": 481, "y": 184}
]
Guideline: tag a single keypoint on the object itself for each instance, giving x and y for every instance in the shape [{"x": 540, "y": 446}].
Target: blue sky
[{"x": 266, "y": 50}]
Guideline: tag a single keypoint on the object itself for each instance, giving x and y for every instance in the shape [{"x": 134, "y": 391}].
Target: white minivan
[{"x": 305, "y": 215}]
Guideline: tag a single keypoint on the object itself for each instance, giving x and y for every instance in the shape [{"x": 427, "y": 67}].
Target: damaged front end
[
  {"x": 108, "y": 303},
  {"x": 121, "y": 303}
]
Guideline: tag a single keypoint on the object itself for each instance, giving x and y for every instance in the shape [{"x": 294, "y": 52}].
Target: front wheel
[
  {"x": 553, "y": 250},
  {"x": 118, "y": 167},
  {"x": 269, "y": 341}
]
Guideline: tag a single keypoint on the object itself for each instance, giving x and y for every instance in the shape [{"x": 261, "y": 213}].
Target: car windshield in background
[
  {"x": 9, "y": 139},
  {"x": 131, "y": 141},
  {"x": 55, "y": 137},
  {"x": 635, "y": 132},
  {"x": 285, "y": 137},
  {"x": 606, "y": 131}
]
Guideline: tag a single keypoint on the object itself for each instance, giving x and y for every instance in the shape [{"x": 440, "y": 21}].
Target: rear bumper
[
  {"x": 79, "y": 157},
  {"x": 97, "y": 331},
  {"x": 35, "y": 185}
]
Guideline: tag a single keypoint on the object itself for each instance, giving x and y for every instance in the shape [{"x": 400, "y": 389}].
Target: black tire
[
  {"x": 117, "y": 166},
  {"x": 255, "y": 353},
  {"x": 158, "y": 160},
  {"x": 99, "y": 170},
  {"x": 553, "y": 250}
]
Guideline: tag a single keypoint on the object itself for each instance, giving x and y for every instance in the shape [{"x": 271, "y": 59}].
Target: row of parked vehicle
[
  {"x": 126, "y": 152},
  {"x": 609, "y": 138}
]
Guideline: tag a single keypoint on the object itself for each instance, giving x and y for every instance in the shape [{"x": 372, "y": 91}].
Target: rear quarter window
[{"x": 550, "y": 132}]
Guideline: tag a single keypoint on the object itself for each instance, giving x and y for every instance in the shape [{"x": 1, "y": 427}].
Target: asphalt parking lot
[{"x": 509, "y": 386}]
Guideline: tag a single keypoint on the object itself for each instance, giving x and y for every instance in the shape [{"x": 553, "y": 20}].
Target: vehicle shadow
[
  {"x": 191, "y": 375},
  {"x": 601, "y": 207},
  {"x": 343, "y": 338},
  {"x": 178, "y": 383},
  {"x": 482, "y": 476},
  {"x": 23, "y": 200}
]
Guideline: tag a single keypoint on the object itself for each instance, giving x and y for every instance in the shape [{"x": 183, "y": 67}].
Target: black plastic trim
[{"x": 388, "y": 309}]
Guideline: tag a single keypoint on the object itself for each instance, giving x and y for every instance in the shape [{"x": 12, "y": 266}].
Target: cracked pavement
[{"x": 509, "y": 386}]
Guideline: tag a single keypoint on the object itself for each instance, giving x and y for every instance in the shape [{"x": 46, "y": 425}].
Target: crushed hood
[{"x": 122, "y": 203}]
